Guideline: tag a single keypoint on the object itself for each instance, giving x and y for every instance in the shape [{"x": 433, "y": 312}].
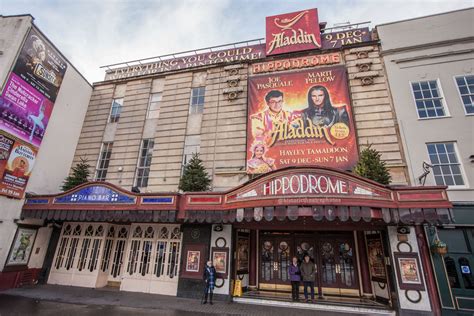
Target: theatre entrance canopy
[{"x": 289, "y": 195}]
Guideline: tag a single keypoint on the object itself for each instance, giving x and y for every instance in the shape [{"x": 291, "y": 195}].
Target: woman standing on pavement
[
  {"x": 295, "y": 278},
  {"x": 210, "y": 280}
]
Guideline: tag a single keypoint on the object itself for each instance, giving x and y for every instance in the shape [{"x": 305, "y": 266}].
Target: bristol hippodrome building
[{"x": 279, "y": 124}]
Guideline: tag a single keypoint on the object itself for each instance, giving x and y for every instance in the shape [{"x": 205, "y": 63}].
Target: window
[
  {"x": 154, "y": 106},
  {"x": 466, "y": 90},
  {"x": 144, "y": 162},
  {"x": 197, "y": 100},
  {"x": 428, "y": 99},
  {"x": 446, "y": 166},
  {"x": 103, "y": 163},
  {"x": 192, "y": 144},
  {"x": 115, "y": 110}
]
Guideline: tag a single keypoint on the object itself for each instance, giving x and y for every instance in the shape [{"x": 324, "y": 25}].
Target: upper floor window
[
  {"x": 103, "y": 163},
  {"x": 116, "y": 110},
  {"x": 466, "y": 90},
  {"x": 144, "y": 163},
  {"x": 428, "y": 99},
  {"x": 154, "y": 106},
  {"x": 446, "y": 166},
  {"x": 197, "y": 100}
]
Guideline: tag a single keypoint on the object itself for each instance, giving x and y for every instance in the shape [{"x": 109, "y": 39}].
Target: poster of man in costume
[
  {"x": 300, "y": 118},
  {"x": 22, "y": 245}
]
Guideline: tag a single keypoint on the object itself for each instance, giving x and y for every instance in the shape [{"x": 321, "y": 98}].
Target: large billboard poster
[
  {"x": 29, "y": 94},
  {"x": 41, "y": 66},
  {"x": 24, "y": 112},
  {"x": 300, "y": 118},
  {"x": 17, "y": 159}
]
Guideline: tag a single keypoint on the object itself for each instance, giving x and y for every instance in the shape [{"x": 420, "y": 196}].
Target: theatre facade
[{"x": 279, "y": 124}]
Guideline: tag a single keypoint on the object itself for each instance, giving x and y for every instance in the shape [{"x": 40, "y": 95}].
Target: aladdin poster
[
  {"x": 17, "y": 159},
  {"x": 300, "y": 118}
]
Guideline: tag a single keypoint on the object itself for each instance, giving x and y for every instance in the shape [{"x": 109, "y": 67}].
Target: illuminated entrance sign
[
  {"x": 318, "y": 184},
  {"x": 305, "y": 184}
]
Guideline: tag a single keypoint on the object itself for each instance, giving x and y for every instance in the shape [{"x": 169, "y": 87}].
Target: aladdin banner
[
  {"x": 298, "y": 119},
  {"x": 17, "y": 159},
  {"x": 292, "y": 32}
]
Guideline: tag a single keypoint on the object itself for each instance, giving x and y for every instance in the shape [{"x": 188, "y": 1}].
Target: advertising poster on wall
[
  {"x": 17, "y": 159},
  {"x": 40, "y": 65},
  {"x": 24, "y": 112},
  {"x": 300, "y": 118},
  {"x": 192, "y": 261},
  {"x": 22, "y": 245},
  {"x": 292, "y": 32},
  {"x": 376, "y": 258}
]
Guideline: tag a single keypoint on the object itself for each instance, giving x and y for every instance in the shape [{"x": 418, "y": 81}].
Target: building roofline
[
  {"x": 17, "y": 15},
  {"x": 241, "y": 44},
  {"x": 425, "y": 16},
  {"x": 62, "y": 54},
  {"x": 33, "y": 24}
]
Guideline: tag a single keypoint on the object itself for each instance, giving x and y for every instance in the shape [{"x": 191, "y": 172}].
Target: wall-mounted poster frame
[
  {"x": 242, "y": 253},
  {"x": 409, "y": 272},
  {"x": 220, "y": 259},
  {"x": 376, "y": 258},
  {"x": 22, "y": 247},
  {"x": 194, "y": 259}
]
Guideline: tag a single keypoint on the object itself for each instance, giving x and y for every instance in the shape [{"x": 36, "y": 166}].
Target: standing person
[
  {"x": 295, "y": 278},
  {"x": 308, "y": 273},
  {"x": 210, "y": 279}
]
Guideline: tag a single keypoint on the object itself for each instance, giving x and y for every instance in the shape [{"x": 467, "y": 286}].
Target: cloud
[{"x": 95, "y": 33}]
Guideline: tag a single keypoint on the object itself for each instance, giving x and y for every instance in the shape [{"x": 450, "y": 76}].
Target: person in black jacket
[{"x": 210, "y": 280}]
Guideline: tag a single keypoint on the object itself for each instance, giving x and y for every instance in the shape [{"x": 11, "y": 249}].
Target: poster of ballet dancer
[
  {"x": 24, "y": 112},
  {"x": 17, "y": 159},
  {"x": 40, "y": 65}
]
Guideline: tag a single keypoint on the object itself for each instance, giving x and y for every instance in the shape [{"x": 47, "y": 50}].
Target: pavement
[{"x": 70, "y": 300}]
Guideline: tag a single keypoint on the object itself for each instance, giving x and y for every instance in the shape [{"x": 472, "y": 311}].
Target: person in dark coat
[
  {"x": 210, "y": 280},
  {"x": 295, "y": 278},
  {"x": 308, "y": 272}
]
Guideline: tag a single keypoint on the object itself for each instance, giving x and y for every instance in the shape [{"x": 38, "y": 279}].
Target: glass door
[
  {"x": 338, "y": 264},
  {"x": 275, "y": 259}
]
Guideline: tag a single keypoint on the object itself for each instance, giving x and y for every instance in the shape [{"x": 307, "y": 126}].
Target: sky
[{"x": 94, "y": 33}]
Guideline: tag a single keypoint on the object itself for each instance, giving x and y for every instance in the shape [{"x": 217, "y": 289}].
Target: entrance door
[
  {"x": 118, "y": 255},
  {"x": 338, "y": 264},
  {"x": 333, "y": 255},
  {"x": 459, "y": 265},
  {"x": 275, "y": 252}
]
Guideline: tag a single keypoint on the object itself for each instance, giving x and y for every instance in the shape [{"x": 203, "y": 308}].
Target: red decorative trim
[
  {"x": 382, "y": 197},
  {"x": 205, "y": 199},
  {"x": 421, "y": 195}
]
